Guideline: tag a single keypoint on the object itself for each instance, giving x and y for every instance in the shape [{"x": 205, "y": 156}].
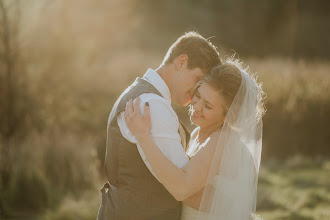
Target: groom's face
[{"x": 185, "y": 82}]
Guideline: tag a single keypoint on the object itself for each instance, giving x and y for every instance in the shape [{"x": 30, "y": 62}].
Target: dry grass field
[{"x": 56, "y": 169}]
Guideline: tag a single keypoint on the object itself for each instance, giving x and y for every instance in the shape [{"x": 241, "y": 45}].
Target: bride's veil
[{"x": 231, "y": 189}]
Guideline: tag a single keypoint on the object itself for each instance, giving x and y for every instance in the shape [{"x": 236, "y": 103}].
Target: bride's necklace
[
  {"x": 202, "y": 138},
  {"x": 197, "y": 144}
]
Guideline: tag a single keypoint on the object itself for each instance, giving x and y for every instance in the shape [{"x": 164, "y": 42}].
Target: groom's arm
[{"x": 164, "y": 130}]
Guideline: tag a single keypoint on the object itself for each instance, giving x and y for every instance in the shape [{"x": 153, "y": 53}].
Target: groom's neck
[{"x": 166, "y": 72}]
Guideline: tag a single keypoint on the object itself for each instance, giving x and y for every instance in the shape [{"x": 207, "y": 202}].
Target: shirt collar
[{"x": 154, "y": 79}]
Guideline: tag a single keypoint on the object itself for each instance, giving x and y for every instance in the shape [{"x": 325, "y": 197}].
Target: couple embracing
[{"x": 156, "y": 170}]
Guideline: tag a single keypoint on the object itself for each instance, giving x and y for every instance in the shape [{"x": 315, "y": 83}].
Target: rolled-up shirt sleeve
[{"x": 164, "y": 130}]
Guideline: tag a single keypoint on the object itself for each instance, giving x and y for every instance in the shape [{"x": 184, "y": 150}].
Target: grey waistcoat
[{"x": 134, "y": 192}]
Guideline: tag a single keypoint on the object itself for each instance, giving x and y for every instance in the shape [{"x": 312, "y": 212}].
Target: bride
[{"x": 220, "y": 179}]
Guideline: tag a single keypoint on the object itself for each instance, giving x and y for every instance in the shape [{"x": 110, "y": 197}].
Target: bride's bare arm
[
  {"x": 181, "y": 183},
  {"x": 194, "y": 200}
]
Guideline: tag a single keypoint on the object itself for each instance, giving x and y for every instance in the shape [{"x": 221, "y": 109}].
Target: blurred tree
[{"x": 13, "y": 93}]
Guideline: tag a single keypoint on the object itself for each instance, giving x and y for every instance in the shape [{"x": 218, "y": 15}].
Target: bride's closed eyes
[
  {"x": 207, "y": 104},
  {"x": 207, "y": 110}
]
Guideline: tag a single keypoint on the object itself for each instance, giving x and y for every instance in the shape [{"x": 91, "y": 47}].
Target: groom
[{"x": 133, "y": 190}]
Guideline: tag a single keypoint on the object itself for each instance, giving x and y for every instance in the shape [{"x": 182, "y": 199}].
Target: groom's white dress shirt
[{"x": 164, "y": 123}]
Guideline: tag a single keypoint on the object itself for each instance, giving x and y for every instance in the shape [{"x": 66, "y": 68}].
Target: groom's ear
[{"x": 181, "y": 62}]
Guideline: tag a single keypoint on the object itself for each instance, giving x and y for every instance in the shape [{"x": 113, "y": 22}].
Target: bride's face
[{"x": 207, "y": 105}]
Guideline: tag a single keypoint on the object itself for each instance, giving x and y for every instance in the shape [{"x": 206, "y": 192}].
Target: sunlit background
[{"x": 64, "y": 63}]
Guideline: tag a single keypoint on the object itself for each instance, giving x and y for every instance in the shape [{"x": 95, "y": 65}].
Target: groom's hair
[{"x": 201, "y": 52}]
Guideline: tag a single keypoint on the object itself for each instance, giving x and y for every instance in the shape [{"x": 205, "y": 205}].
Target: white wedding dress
[{"x": 188, "y": 213}]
